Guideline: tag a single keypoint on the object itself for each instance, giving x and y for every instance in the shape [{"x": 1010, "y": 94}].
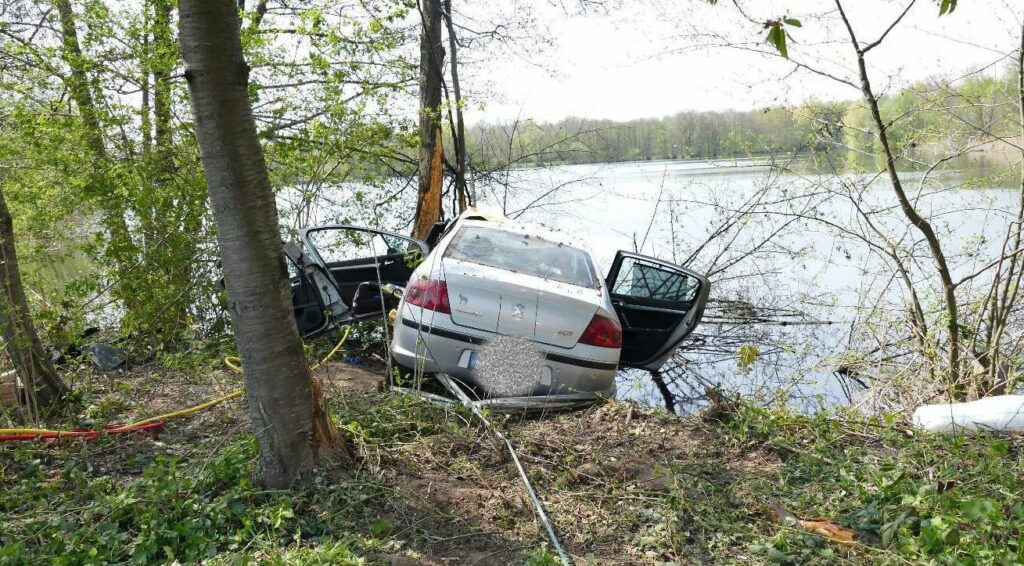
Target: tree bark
[
  {"x": 428, "y": 204},
  {"x": 21, "y": 341},
  {"x": 288, "y": 419},
  {"x": 459, "y": 135}
]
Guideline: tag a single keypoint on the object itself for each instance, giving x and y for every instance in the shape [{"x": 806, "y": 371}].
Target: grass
[{"x": 622, "y": 484}]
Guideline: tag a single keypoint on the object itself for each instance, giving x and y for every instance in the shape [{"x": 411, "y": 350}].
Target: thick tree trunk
[
  {"x": 428, "y": 204},
  {"x": 459, "y": 135},
  {"x": 282, "y": 404},
  {"x": 19, "y": 333}
]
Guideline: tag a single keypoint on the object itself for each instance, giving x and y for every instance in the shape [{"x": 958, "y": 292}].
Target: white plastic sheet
[{"x": 1003, "y": 413}]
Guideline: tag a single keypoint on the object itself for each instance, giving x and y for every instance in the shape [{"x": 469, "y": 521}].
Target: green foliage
[
  {"x": 926, "y": 119},
  {"x": 203, "y": 505},
  {"x": 168, "y": 514},
  {"x": 747, "y": 355},
  {"x": 118, "y": 232},
  {"x": 777, "y": 33},
  {"x": 543, "y": 557},
  {"x": 910, "y": 496}
]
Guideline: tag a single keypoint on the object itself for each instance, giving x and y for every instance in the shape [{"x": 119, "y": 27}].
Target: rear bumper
[{"x": 438, "y": 349}]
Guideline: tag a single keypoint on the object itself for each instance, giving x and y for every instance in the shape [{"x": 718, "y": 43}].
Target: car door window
[{"x": 645, "y": 280}]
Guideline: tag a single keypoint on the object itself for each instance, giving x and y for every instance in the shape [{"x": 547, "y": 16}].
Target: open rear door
[{"x": 658, "y": 303}]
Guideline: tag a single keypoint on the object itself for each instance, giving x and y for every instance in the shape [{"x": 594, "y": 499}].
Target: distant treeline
[{"x": 934, "y": 115}]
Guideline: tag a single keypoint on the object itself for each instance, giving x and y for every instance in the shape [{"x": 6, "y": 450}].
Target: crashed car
[{"x": 510, "y": 310}]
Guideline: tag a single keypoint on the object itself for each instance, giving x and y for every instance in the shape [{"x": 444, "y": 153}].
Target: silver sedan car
[{"x": 511, "y": 310}]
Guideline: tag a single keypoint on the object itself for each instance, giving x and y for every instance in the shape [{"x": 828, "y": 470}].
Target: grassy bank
[{"x": 623, "y": 484}]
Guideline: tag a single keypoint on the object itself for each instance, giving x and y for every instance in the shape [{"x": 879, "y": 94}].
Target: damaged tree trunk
[
  {"x": 21, "y": 343},
  {"x": 431, "y": 166},
  {"x": 285, "y": 405}
]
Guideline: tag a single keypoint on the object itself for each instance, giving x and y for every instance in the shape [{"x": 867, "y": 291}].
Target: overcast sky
[{"x": 650, "y": 58}]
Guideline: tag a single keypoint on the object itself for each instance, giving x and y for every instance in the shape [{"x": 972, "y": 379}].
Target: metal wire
[{"x": 454, "y": 389}]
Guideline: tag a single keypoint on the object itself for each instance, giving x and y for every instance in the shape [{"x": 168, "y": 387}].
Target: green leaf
[
  {"x": 793, "y": 22},
  {"x": 747, "y": 355},
  {"x": 946, "y": 7},
  {"x": 777, "y": 38}
]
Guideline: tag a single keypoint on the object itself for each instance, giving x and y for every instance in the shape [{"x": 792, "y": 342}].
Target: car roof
[{"x": 493, "y": 218}]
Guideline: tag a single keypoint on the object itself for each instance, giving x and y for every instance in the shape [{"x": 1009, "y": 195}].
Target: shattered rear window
[{"x": 523, "y": 253}]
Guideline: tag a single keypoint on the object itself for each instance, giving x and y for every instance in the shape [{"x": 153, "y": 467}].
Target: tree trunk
[
  {"x": 428, "y": 204},
  {"x": 288, "y": 419},
  {"x": 459, "y": 135},
  {"x": 81, "y": 93},
  {"x": 21, "y": 342},
  {"x": 163, "y": 54}
]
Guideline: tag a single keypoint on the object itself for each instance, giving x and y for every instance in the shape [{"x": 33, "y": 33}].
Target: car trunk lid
[
  {"x": 491, "y": 299},
  {"x": 497, "y": 300}
]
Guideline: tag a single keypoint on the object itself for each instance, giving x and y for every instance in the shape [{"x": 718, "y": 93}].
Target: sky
[{"x": 652, "y": 58}]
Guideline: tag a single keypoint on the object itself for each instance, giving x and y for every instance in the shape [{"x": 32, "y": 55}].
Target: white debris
[{"x": 1003, "y": 413}]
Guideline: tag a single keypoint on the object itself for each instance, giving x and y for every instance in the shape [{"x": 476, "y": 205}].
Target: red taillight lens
[
  {"x": 602, "y": 331},
  {"x": 431, "y": 295}
]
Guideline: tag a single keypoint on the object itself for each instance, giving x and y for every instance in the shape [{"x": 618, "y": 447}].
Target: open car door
[
  {"x": 658, "y": 303},
  {"x": 349, "y": 263}
]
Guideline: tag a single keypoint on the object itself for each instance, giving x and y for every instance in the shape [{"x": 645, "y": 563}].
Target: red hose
[{"x": 86, "y": 433}]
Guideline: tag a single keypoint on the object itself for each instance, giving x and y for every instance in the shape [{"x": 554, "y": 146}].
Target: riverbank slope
[{"x": 621, "y": 483}]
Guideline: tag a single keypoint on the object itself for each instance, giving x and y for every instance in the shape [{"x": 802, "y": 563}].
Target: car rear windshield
[{"x": 523, "y": 253}]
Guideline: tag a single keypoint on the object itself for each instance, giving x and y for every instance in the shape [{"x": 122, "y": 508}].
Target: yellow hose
[
  {"x": 35, "y": 431},
  {"x": 330, "y": 355},
  {"x": 233, "y": 362},
  {"x": 202, "y": 406}
]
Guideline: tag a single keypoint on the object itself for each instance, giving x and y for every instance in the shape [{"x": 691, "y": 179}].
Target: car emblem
[
  {"x": 564, "y": 332},
  {"x": 518, "y": 311},
  {"x": 463, "y": 299}
]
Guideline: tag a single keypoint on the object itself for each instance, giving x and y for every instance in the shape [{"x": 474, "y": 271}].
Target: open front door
[
  {"x": 658, "y": 303},
  {"x": 359, "y": 260}
]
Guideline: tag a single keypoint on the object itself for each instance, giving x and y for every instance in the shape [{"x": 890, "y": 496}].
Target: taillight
[
  {"x": 431, "y": 295},
  {"x": 602, "y": 331}
]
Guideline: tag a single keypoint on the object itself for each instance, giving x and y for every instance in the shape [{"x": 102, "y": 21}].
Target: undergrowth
[
  {"x": 59, "y": 505},
  {"x": 910, "y": 497}
]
